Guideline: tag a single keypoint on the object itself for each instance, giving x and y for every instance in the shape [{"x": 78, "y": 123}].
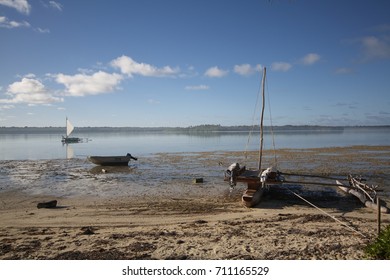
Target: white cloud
[
  {"x": 281, "y": 66},
  {"x": 246, "y": 69},
  {"x": 83, "y": 84},
  {"x": 42, "y": 30},
  {"x": 6, "y": 23},
  {"x": 30, "y": 75},
  {"x": 153, "y": 101},
  {"x": 310, "y": 58},
  {"x": 375, "y": 48},
  {"x": 215, "y": 72},
  {"x": 198, "y": 87},
  {"x": 21, "y": 6},
  {"x": 56, "y": 5},
  {"x": 130, "y": 67},
  {"x": 6, "y": 107},
  {"x": 30, "y": 91},
  {"x": 344, "y": 70}
]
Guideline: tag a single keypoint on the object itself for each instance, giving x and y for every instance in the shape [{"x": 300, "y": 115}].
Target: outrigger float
[{"x": 260, "y": 180}]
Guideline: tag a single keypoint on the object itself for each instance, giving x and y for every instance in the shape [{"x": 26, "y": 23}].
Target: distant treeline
[{"x": 209, "y": 128}]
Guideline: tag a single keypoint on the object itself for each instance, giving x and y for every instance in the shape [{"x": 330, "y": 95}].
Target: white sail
[{"x": 69, "y": 128}]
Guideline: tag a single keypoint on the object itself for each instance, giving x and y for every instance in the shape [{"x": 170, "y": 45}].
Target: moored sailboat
[
  {"x": 259, "y": 180},
  {"x": 69, "y": 129}
]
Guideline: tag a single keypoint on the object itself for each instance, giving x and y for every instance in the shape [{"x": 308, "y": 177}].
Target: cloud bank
[{"x": 31, "y": 90}]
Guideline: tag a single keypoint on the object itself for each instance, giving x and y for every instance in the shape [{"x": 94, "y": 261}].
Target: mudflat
[{"x": 185, "y": 220}]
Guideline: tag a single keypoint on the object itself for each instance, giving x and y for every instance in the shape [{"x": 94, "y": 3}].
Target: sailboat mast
[
  {"x": 262, "y": 117},
  {"x": 66, "y": 126}
]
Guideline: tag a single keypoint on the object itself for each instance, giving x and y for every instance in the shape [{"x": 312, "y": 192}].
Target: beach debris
[
  {"x": 200, "y": 222},
  {"x": 48, "y": 204},
  {"x": 365, "y": 193},
  {"x": 198, "y": 181},
  {"x": 87, "y": 230}
]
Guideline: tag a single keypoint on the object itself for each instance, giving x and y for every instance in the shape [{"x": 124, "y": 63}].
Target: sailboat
[
  {"x": 259, "y": 180},
  {"x": 69, "y": 129}
]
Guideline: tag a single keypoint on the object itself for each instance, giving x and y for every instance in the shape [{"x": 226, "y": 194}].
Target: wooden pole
[
  {"x": 315, "y": 183},
  {"x": 262, "y": 118},
  {"x": 378, "y": 202},
  {"x": 315, "y": 176}
]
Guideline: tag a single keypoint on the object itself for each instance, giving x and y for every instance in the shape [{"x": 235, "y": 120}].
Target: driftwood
[{"x": 362, "y": 192}]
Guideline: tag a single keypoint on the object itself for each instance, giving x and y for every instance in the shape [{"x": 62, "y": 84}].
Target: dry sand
[
  {"x": 186, "y": 226},
  {"x": 86, "y": 228}
]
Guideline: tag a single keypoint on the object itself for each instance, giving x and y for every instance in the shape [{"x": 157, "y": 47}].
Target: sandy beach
[{"x": 202, "y": 221}]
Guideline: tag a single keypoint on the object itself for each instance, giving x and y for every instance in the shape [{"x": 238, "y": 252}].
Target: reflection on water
[{"x": 49, "y": 146}]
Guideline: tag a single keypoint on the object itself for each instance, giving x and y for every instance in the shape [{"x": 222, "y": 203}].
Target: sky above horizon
[{"x": 192, "y": 62}]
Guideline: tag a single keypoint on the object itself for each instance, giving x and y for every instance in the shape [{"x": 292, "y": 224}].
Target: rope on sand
[{"x": 329, "y": 215}]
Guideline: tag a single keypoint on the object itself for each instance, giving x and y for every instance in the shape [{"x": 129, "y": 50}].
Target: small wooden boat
[{"x": 111, "y": 160}]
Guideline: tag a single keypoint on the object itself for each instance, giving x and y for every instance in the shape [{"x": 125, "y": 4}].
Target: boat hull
[
  {"x": 67, "y": 140},
  {"x": 252, "y": 196},
  {"x": 111, "y": 160}
]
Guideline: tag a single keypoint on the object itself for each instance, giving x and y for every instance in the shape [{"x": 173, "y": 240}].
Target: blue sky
[{"x": 191, "y": 62}]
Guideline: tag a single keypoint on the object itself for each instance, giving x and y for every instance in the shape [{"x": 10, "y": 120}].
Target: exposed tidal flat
[{"x": 152, "y": 209}]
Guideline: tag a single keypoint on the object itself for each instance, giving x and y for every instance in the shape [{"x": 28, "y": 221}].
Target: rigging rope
[
  {"x": 253, "y": 122},
  {"x": 272, "y": 127},
  {"x": 275, "y": 163},
  {"x": 327, "y": 214}
]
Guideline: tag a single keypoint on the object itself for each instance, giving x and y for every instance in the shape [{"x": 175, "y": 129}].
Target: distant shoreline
[{"x": 190, "y": 129}]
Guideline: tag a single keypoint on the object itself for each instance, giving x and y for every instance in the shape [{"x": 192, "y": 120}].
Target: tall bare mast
[{"x": 262, "y": 117}]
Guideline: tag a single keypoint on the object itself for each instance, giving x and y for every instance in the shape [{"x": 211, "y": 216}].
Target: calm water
[
  {"x": 49, "y": 146},
  {"x": 35, "y": 163}
]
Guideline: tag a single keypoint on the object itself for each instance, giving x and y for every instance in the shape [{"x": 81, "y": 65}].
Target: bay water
[
  {"x": 167, "y": 162},
  {"x": 48, "y": 146}
]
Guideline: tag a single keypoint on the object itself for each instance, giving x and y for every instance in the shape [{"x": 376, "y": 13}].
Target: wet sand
[{"x": 170, "y": 217}]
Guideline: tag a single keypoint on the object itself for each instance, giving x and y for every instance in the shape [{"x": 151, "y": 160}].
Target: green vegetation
[{"x": 379, "y": 249}]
